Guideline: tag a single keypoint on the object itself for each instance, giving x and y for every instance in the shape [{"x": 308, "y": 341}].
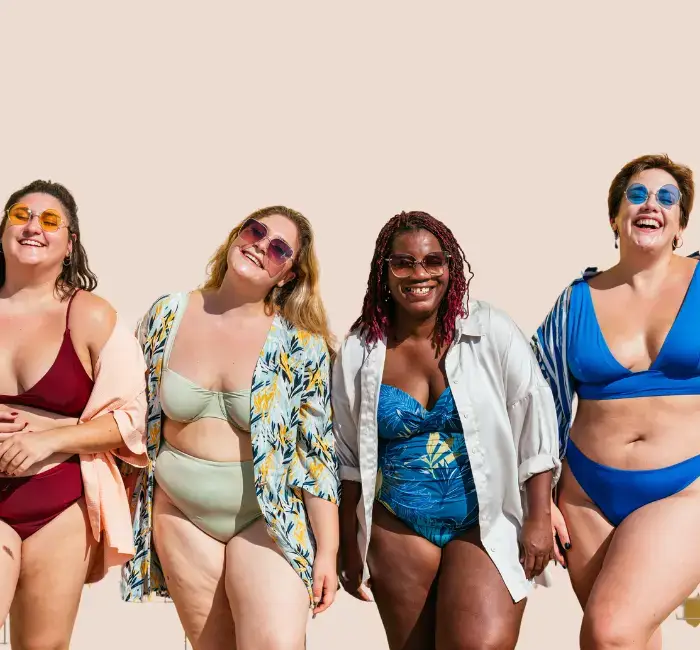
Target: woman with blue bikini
[
  {"x": 626, "y": 342},
  {"x": 446, "y": 435}
]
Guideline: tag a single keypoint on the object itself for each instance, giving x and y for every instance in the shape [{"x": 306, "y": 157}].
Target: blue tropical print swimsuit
[{"x": 426, "y": 477}]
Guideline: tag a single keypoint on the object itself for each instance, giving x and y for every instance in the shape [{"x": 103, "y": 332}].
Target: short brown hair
[{"x": 683, "y": 176}]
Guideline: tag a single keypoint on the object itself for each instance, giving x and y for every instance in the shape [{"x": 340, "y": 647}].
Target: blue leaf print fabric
[{"x": 426, "y": 477}]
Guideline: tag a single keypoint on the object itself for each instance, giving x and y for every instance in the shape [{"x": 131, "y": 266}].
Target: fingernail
[
  {"x": 14, "y": 413},
  {"x": 567, "y": 546}
]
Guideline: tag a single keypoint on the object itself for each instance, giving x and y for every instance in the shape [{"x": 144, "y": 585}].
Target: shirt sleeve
[
  {"x": 531, "y": 410},
  {"x": 345, "y": 427},
  {"x": 315, "y": 468}
]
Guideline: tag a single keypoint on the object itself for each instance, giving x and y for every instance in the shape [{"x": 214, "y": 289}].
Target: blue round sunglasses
[{"x": 666, "y": 196}]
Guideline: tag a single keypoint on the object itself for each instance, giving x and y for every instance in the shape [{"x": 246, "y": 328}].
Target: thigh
[
  {"x": 403, "y": 567},
  {"x": 193, "y": 565},
  {"x": 590, "y": 533},
  {"x": 651, "y": 567},
  {"x": 10, "y": 556},
  {"x": 269, "y": 601},
  {"x": 55, "y": 563},
  {"x": 474, "y": 607}
]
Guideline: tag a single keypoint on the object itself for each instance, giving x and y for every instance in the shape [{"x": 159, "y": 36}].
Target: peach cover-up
[{"x": 120, "y": 389}]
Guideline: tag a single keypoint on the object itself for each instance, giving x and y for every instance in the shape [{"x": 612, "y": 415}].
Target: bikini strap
[{"x": 70, "y": 304}]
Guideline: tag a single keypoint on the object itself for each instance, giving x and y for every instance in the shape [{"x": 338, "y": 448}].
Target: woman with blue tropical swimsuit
[{"x": 446, "y": 435}]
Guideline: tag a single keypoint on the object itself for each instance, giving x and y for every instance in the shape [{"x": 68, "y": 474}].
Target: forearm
[
  {"x": 323, "y": 516},
  {"x": 538, "y": 491},
  {"x": 98, "y": 435},
  {"x": 352, "y": 492}
]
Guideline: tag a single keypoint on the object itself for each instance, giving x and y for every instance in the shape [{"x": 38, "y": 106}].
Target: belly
[
  {"x": 209, "y": 439},
  {"x": 428, "y": 479},
  {"x": 641, "y": 433},
  {"x": 39, "y": 420}
]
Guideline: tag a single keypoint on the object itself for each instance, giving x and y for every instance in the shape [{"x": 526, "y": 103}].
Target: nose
[
  {"x": 32, "y": 227},
  {"x": 419, "y": 273}
]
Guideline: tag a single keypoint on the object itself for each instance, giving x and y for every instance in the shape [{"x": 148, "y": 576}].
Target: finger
[
  {"x": 318, "y": 590},
  {"x": 8, "y": 416},
  {"x": 557, "y": 552},
  {"x": 539, "y": 564},
  {"x": 529, "y": 564},
  {"x": 363, "y": 595},
  {"x": 327, "y": 600},
  {"x": 563, "y": 533},
  {"x": 8, "y": 458},
  {"x": 17, "y": 461},
  {"x": 12, "y": 427},
  {"x": 26, "y": 464}
]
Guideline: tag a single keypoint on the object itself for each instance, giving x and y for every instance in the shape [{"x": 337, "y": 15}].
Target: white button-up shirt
[{"x": 508, "y": 418}]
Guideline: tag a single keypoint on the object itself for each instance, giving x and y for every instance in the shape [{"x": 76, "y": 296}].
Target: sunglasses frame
[
  {"x": 654, "y": 194},
  {"x": 421, "y": 262},
  {"x": 38, "y": 215},
  {"x": 267, "y": 236}
]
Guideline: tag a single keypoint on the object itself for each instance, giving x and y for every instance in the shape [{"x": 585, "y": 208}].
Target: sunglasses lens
[
  {"x": 434, "y": 263},
  {"x": 18, "y": 214},
  {"x": 402, "y": 265},
  {"x": 668, "y": 196},
  {"x": 637, "y": 194},
  {"x": 252, "y": 231},
  {"x": 50, "y": 221},
  {"x": 279, "y": 252}
]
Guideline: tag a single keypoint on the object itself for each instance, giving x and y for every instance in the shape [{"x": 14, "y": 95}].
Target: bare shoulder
[{"x": 92, "y": 320}]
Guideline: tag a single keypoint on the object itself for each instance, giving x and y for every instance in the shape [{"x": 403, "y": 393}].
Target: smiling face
[
  {"x": 28, "y": 244},
  {"x": 648, "y": 226},
  {"x": 255, "y": 263},
  {"x": 420, "y": 294}
]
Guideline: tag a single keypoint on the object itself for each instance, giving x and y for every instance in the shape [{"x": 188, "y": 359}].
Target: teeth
[
  {"x": 253, "y": 259},
  {"x": 30, "y": 243},
  {"x": 652, "y": 223},
  {"x": 421, "y": 291}
]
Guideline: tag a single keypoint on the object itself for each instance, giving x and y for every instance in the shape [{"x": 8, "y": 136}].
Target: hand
[
  {"x": 19, "y": 451},
  {"x": 536, "y": 545},
  {"x": 9, "y": 424},
  {"x": 351, "y": 569},
  {"x": 325, "y": 581},
  {"x": 560, "y": 534}
]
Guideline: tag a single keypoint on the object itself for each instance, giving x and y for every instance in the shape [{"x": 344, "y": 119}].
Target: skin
[
  {"x": 636, "y": 303},
  {"x": 42, "y": 578},
  {"x": 243, "y": 594},
  {"x": 410, "y": 576}
]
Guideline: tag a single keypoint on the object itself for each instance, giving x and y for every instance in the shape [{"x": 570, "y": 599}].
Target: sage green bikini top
[{"x": 184, "y": 401}]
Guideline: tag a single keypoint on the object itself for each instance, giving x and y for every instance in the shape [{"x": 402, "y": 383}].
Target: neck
[
  {"x": 409, "y": 327},
  {"x": 232, "y": 298},
  {"x": 641, "y": 267},
  {"x": 28, "y": 284}
]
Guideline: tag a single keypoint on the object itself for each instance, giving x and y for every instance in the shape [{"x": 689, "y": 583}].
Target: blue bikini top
[{"x": 599, "y": 376}]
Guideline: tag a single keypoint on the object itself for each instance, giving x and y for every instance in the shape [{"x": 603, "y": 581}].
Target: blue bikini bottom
[{"x": 619, "y": 492}]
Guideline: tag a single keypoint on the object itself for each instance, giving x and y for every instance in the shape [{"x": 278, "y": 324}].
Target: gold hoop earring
[
  {"x": 677, "y": 242},
  {"x": 66, "y": 261}
]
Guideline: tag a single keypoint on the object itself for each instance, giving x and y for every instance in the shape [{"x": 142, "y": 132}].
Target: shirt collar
[{"x": 476, "y": 323}]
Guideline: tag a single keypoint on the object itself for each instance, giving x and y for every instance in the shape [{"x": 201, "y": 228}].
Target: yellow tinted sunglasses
[{"x": 49, "y": 220}]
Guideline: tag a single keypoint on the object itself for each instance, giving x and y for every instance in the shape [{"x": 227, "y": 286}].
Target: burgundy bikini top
[{"x": 65, "y": 388}]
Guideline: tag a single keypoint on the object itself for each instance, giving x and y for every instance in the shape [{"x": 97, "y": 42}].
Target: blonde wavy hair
[{"x": 299, "y": 300}]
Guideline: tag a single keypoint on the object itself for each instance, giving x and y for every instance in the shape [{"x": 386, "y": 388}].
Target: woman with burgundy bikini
[{"x": 71, "y": 398}]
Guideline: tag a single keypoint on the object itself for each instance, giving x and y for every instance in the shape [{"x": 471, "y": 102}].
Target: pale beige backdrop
[{"x": 170, "y": 121}]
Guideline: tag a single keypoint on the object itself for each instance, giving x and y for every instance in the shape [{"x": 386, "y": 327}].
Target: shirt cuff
[
  {"x": 538, "y": 465},
  {"x": 349, "y": 473}
]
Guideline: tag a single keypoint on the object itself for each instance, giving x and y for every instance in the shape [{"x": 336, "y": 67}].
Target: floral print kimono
[{"x": 292, "y": 438}]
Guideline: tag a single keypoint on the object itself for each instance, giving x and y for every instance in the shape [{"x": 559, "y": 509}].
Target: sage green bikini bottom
[{"x": 217, "y": 497}]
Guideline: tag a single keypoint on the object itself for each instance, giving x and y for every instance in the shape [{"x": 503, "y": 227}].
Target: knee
[
  {"x": 501, "y": 637},
  {"x": 610, "y": 630}
]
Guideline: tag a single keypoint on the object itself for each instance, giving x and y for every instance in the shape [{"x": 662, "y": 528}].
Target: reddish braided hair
[{"x": 376, "y": 309}]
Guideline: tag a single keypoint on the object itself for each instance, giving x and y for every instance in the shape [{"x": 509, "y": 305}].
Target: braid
[{"x": 375, "y": 318}]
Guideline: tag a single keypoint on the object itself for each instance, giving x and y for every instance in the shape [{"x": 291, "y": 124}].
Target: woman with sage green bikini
[{"x": 243, "y": 480}]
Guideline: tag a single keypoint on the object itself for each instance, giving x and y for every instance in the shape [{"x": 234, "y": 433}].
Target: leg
[
  {"x": 55, "y": 562},
  {"x": 10, "y": 555},
  {"x": 269, "y": 602},
  {"x": 591, "y": 534},
  {"x": 403, "y": 567},
  {"x": 475, "y": 610},
  {"x": 193, "y": 564},
  {"x": 651, "y": 566}
]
